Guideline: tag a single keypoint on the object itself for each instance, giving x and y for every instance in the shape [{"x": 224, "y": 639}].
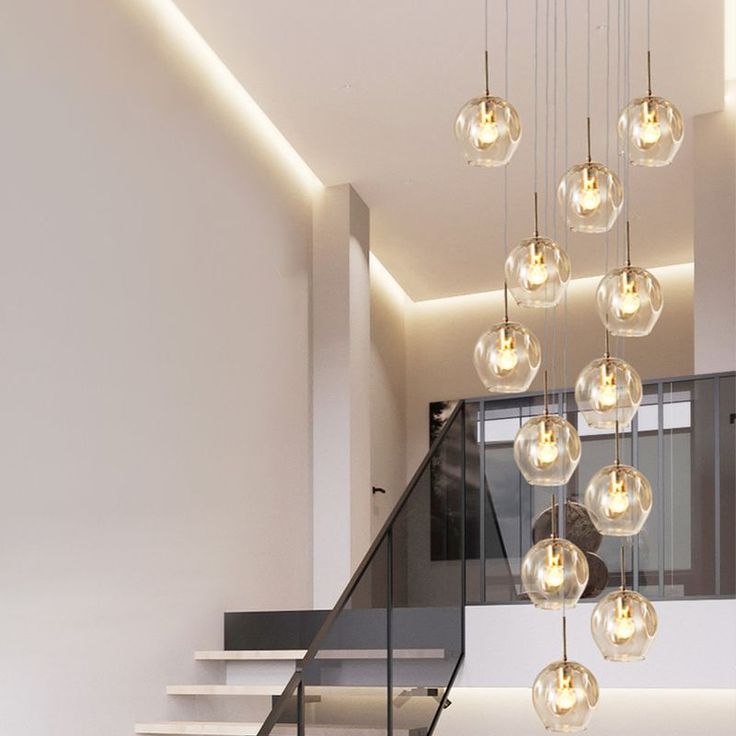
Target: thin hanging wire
[
  {"x": 567, "y": 233},
  {"x": 608, "y": 109},
  {"x": 545, "y": 180},
  {"x": 672, "y": 487},
  {"x": 551, "y": 190},
  {"x": 649, "y": 26},
  {"x": 505, "y": 168},
  {"x": 485, "y": 42},
  {"x": 536, "y": 93},
  {"x": 588, "y": 64}
]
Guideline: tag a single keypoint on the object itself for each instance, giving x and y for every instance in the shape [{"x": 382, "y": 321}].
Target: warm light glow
[
  {"x": 484, "y": 131},
  {"x": 647, "y": 131},
  {"x": 627, "y": 302},
  {"x": 565, "y": 697},
  {"x": 554, "y": 570},
  {"x": 505, "y": 358},
  {"x": 183, "y": 44},
  {"x": 623, "y": 624},
  {"x": 618, "y": 496},
  {"x": 546, "y": 449},
  {"x": 587, "y": 198},
  {"x": 535, "y": 275},
  {"x": 605, "y": 393}
]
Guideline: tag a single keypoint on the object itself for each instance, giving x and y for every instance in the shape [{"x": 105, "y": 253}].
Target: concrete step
[
  {"x": 198, "y": 728},
  {"x": 255, "y": 690}
]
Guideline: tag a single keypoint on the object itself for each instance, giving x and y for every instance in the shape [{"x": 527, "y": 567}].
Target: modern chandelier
[{"x": 608, "y": 391}]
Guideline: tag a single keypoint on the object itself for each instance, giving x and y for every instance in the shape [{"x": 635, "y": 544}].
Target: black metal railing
[
  {"x": 387, "y": 654},
  {"x": 682, "y": 438}
]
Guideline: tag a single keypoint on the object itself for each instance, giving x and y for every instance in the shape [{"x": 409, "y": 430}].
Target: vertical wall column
[
  {"x": 341, "y": 386},
  {"x": 715, "y": 240}
]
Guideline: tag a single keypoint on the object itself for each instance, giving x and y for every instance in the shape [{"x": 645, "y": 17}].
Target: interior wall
[
  {"x": 441, "y": 335},
  {"x": 154, "y": 436},
  {"x": 389, "y": 306}
]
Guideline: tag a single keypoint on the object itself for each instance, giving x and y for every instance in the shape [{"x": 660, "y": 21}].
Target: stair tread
[
  {"x": 225, "y": 689},
  {"x": 198, "y": 728},
  {"x": 296, "y": 654},
  {"x": 225, "y": 728},
  {"x": 345, "y": 690}
]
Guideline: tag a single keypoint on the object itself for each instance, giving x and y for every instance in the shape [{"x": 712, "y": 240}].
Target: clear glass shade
[
  {"x": 564, "y": 696},
  {"x": 507, "y": 358},
  {"x": 547, "y": 450},
  {"x": 488, "y": 130},
  {"x": 608, "y": 390},
  {"x": 591, "y": 196},
  {"x": 554, "y": 573},
  {"x": 619, "y": 499},
  {"x": 650, "y": 131},
  {"x": 623, "y": 624},
  {"x": 537, "y": 272},
  {"x": 629, "y": 301}
]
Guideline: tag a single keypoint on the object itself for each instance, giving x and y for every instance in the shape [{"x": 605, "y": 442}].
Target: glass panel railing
[
  {"x": 387, "y": 654},
  {"x": 682, "y": 439}
]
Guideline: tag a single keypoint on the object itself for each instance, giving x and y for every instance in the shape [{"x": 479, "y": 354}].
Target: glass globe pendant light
[
  {"x": 624, "y": 623},
  {"x": 547, "y": 448},
  {"x": 629, "y": 299},
  {"x": 619, "y": 498},
  {"x": 565, "y": 693},
  {"x": 537, "y": 270},
  {"x": 488, "y": 128},
  {"x": 650, "y": 129},
  {"x": 507, "y": 357},
  {"x": 608, "y": 391},
  {"x": 554, "y": 572},
  {"x": 591, "y": 196}
]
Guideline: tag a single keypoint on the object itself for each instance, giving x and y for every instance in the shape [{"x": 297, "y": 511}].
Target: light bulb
[
  {"x": 565, "y": 697},
  {"x": 604, "y": 393},
  {"x": 623, "y": 624},
  {"x": 484, "y": 131},
  {"x": 554, "y": 570},
  {"x": 536, "y": 274},
  {"x": 627, "y": 302},
  {"x": 546, "y": 451},
  {"x": 618, "y": 496},
  {"x": 648, "y": 130},
  {"x": 505, "y": 358},
  {"x": 587, "y": 198}
]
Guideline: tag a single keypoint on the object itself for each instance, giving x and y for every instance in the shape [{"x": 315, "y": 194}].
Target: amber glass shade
[
  {"x": 629, "y": 301},
  {"x": 591, "y": 196},
  {"x": 650, "y": 131},
  {"x": 537, "y": 272},
  {"x": 547, "y": 450},
  {"x": 619, "y": 499},
  {"x": 507, "y": 358},
  {"x": 488, "y": 130},
  {"x": 623, "y": 624},
  {"x": 564, "y": 695},
  {"x": 554, "y": 573},
  {"x": 608, "y": 390}
]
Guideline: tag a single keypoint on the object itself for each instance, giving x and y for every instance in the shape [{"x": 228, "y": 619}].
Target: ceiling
[{"x": 367, "y": 93}]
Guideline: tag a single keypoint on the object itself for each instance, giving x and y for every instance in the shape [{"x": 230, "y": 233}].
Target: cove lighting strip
[{"x": 188, "y": 47}]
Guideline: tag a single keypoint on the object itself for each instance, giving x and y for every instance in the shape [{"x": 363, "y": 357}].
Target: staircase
[{"x": 384, "y": 658}]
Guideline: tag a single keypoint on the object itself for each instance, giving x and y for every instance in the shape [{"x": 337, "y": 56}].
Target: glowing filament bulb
[
  {"x": 536, "y": 270},
  {"x": 618, "y": 496},
  {"x": 546, "y": 450},
  {"x": 627, "y": 302},
  {"x": 506, "y": 358},
  {"x": 564, "y": 697},
  {"x": 554, "y": 570},
  {"x": 648, "y": 131},
  {"x": 604, "y": 393},
  {"x": 484, "y": 130},
  {"x": 587, "y": 198},
  {"x": 623, "y": 623}
]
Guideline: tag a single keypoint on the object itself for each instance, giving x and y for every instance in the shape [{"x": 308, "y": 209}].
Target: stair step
[
  {"x": 198, "y": 728},
  {"x": 214, "y": 728},
  {"x": 246, "y": 655},
  {"x": 225, "y": 689}
]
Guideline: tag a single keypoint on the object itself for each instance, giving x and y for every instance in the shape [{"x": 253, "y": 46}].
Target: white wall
[
  {"x": 387, "y": 392},
  {"x": 154, "y": 385}
]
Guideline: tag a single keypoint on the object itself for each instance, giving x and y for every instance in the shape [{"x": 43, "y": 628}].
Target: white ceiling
[{"x": 367, "y": 93}]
